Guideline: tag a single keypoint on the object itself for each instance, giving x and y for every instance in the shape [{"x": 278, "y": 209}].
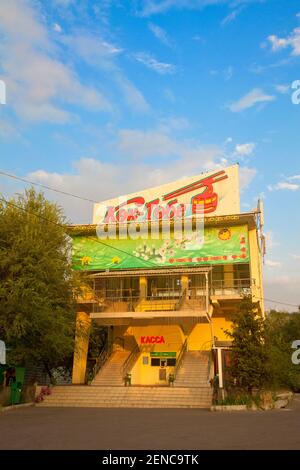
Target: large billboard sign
[
  {"x": 211, "y": 193},
  {"x": 215, "y": 246}
]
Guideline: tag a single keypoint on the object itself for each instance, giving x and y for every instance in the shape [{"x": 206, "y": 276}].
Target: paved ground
[{"x": 95, "y": 428}]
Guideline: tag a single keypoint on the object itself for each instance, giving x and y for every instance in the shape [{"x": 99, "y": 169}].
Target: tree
[
  {"x": 37, "y": 307},
  {"x": 282, "y": 329},
  {"x": 248, "y": 354}
]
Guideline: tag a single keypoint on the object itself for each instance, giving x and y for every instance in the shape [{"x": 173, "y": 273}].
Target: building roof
[{"x": 249, "y": 218}]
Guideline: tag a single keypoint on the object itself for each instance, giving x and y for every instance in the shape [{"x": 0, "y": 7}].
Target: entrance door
[
  {"x": 163, "y": 370},
  {"x": 162, "y": 375}
]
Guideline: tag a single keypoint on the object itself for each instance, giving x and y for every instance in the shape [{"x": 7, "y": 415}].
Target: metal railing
[
  {"x": 116, "y": 301},
  {"x": 101, "y": 359},
  {"x": 130, "y": 361},
  {"x": 179, "y": 358},
  {"x": 236, "y": 286}
]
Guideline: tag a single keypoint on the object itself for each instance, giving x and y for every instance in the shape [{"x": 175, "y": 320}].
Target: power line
[
  {"x": 3, "y": 173},
  {"x": 275, "y": 301},
  {"x": 63, "y": 226},
  {"x": 118, "y": 249}
]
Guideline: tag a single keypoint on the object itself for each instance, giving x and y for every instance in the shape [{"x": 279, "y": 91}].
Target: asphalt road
[{"x": 146, "y": 429}]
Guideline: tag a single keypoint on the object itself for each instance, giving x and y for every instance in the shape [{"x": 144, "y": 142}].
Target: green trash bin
[
  {"x": 15, "y": 393},
  {"x": 16, "y": 385}
]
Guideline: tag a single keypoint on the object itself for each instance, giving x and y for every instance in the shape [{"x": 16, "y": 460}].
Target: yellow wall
[
  {"x": 256, "y": 269},
  {"x": 200, "y": 338},
  {"x": 219, "y": 325},
  {"x": 174, "y": 338}
]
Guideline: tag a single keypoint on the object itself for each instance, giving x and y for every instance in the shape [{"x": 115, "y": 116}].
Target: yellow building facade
[{"x": 158, "y": 297}]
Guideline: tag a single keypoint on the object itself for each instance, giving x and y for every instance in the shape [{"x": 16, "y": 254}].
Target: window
[
  {"x": 155, "y": 362},
  {"x": 171, "y": 362}
]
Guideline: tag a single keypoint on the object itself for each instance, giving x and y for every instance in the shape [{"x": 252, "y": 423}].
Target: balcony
[
  {"x": 235, "y": 289},
  {"x": 163, "y": 302}
]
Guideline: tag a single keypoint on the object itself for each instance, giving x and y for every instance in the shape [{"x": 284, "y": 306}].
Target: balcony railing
[
  {"x": 117, "y": 300},
  {"x": 235, "y": 287}
]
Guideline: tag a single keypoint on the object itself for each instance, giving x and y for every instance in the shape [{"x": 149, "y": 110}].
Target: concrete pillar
[
  {"x": 185, "y": 284},
  {"x": 228, "y": 276},
  {"x": 83, "y": 325},
  {"x": 143, "y": 287}
]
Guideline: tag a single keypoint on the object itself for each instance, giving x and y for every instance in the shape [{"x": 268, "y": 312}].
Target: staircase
[
  {"x": 191, "y": 388},
  {"x": 111, "y": 375},
  {"x": 193, "y": 371},
  {"x": 128, "y": 397}
]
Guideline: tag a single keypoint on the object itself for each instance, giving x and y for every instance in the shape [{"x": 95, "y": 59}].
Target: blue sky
[{"x": 107, "y": 97}]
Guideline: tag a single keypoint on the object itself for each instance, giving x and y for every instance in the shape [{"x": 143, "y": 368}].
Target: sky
[{"x": 106, "y": 97}]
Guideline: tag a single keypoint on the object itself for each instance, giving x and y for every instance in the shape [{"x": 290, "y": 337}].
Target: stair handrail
[
  {"x": 101, "y": 359},
  {"x": 210, "y": 357},
  {"x": 210, "y": 363},
  {"x": 128, "y": 364},
  {"x": 179, "y": 359}
]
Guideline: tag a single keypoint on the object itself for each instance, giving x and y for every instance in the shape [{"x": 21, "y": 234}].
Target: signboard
[
  {"x": 217, "y": 246},
  {"x": 152, "y": 340},
  {"x": 212, "y": 193},
  {"x": 163, "y": 354}
]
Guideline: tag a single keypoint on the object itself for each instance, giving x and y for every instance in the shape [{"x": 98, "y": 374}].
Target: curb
[
  {"x": 14, "y": 407},
  {"x": 229, "y": 408}
]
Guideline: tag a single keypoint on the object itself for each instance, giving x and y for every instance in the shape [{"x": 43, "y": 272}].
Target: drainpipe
[{"x": 207, "y": 313}]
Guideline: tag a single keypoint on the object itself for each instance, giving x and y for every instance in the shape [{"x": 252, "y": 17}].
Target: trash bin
[
  {"x": 171, "y": 379},
  {"x": 15, "y": 392},
  {"x": 127, "y": 380}
]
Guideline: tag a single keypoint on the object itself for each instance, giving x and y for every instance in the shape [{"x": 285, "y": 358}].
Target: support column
[
  {"x": 228, "y": 276},
  {"x": 83, "y": 325},
  {"x": 143, "y": 287},
  {"x": 185, "y": 284}
]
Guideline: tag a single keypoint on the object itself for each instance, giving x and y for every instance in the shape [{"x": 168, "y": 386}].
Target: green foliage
[
  {"x": 281, "y": 330},
  {"x": 248, "y": 355},
  {"x": 240, "y": 399},
  {"x": 37, "y": 310}
]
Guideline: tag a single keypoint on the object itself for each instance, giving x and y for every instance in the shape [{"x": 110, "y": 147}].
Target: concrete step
[{"x": 127, "y": 397}]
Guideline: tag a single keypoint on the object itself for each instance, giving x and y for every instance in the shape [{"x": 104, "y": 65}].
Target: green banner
[
  {"x": 218, "y": 246},
  {"x": 163, "y": 354}
]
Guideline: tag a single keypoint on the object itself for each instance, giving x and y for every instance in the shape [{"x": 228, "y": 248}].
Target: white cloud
[
  {"x": 283, "y": 89},
  {"x": 101, "y": 54},
  {"x": 246, "y": 176},
  {"x": 160, "y": 34},
  {"x": 284, "y": 185},
  {"x": 39, "y": 91},
  {"x": 153, "y": 64},
  {"x": 292, "y": 41},
  {"x": 116, "y": 179},
  {"x": 294, "y": 178},
  {"x": 245, "y": 149},
  {"x": 94, "y": 50},
  {"x": 252, "y": 98},
  {"x": 231, "y": 16},
  {"x": 296, "y": 257},
  {"x": 273, "y": 264},
  {"x": 133, "y": 97},
  {"x": 152, "y": 7},
  {"x": 57, "y": 28}
]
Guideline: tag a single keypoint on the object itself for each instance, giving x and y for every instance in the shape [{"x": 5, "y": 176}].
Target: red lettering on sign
[{"x": 152, "y": 340}]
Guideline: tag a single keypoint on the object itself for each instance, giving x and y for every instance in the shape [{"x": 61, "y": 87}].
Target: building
[{"x": 166, "y": 297}]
